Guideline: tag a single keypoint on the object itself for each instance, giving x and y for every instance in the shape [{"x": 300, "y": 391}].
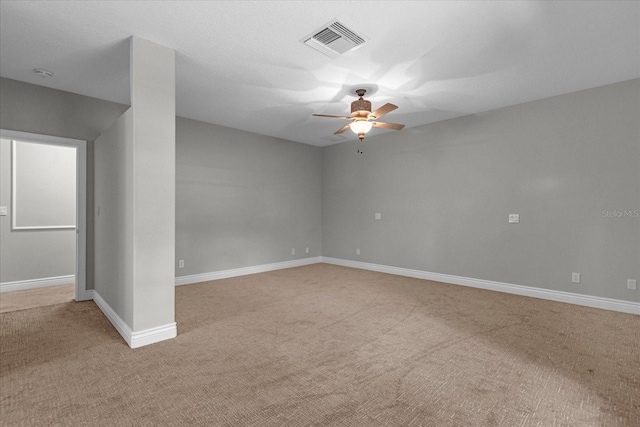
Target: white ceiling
[{"x": 242, "y": 64}]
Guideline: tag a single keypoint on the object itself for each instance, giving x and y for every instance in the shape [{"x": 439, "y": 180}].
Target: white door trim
[{"x": 81, "y": 199}]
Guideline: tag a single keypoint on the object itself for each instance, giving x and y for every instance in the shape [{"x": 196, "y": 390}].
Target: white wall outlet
[
  {"x": 306, "y": 250},
  {"x": 181, "y": 263},
  {"x": 514, "y": 218},
  {"x": 575, "y": 277},
  {"x": 293, "y": 251},
  {"x": 358, "y": 251},
  {"x": 632, "y": 284},
  {"x": 3, "y": 211},
  {"x": 378, "y": 216}
]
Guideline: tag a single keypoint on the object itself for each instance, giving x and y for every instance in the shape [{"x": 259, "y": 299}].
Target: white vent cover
[{"x": 334, "y": 39}]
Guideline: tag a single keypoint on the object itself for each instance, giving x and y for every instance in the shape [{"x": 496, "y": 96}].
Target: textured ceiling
[{"x": 242, "y": 64}]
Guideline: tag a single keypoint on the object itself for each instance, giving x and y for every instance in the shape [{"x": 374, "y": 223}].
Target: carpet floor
[
  {"x": 30, "y": 298},
  {"x": 324, "y": 345}
]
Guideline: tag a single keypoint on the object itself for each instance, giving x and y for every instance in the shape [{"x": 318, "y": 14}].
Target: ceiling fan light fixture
[
  {"x": 361, "y": 127},
  {"x": 362, "y": 119}
]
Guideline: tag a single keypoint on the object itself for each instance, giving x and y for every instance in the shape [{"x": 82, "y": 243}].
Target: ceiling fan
[{"x": 362, "y": 119}]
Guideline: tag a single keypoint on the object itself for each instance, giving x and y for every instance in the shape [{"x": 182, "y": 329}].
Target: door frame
[{"x": 81, "y": 293}]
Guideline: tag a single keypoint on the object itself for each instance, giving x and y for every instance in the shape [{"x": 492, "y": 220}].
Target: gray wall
[
  {"x": 445, "y": 191},
  {"x": 243, "y": 199},
  {"x": 113, "y": 198},
  {"x": 135, "y": 197},
  {"x": 29, "y": 108},
  {"x": 35, "y": 254},
  {"x": 35, "y": 109},
  {"x": 153, "y": 101}
]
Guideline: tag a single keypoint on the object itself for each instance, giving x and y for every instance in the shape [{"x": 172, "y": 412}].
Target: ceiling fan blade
[
  {"x": 333, "y": 117},
  {"x": 384, "y": 125},
  {"x": 342, "y": 129},
  {"x": 386, "y": 108}
]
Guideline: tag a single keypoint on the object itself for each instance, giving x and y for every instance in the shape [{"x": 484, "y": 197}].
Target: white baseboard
[
  {"x": 224, "y": 274},
  {"x": 120, "y": 325},
  {"x": 139, "y": 338},
  {"x": 153, "y": 335},
  {"x": 165, "y": 332},
  {"x": 567, "y": 297},
  {"x": 22, "y": 285}
]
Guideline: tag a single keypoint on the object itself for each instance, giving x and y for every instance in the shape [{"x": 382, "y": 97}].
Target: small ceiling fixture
[
  {"x": 43, "y": 73},
  {"x": 362, "y": 119}
]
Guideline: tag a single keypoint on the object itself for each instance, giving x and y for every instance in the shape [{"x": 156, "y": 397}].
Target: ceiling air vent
[{"x": 334, "y": 39}]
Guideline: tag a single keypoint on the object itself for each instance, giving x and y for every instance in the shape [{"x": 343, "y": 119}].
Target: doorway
[{"x": 26, "y": 216}]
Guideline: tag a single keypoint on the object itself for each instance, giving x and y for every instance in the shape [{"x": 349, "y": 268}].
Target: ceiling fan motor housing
[{"x": 360, "y": 108}]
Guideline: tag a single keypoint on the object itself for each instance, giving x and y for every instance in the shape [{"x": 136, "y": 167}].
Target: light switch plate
[
  {"x": 514, "y": 218},
  {"x": 3, "y": 211},
  {"x": 632, "y": 285}
]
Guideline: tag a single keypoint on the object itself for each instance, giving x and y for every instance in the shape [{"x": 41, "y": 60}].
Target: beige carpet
[
  {"x": 323, "y": 345},
  {"x": 39, "y": 297}
]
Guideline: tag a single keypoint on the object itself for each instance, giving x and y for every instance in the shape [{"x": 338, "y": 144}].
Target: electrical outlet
[
  {"x": 378, "y": 216},
  {"x": 181, "y": 263},
  {"x": 358, "y": 251},
  {"x": 306, "y": 250},
  {"x": 514, "y": 218},
  {"x": 293, "y": 251},
  {"x": 575, "y": 277},
  {"x": 632, "y": 284}
]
